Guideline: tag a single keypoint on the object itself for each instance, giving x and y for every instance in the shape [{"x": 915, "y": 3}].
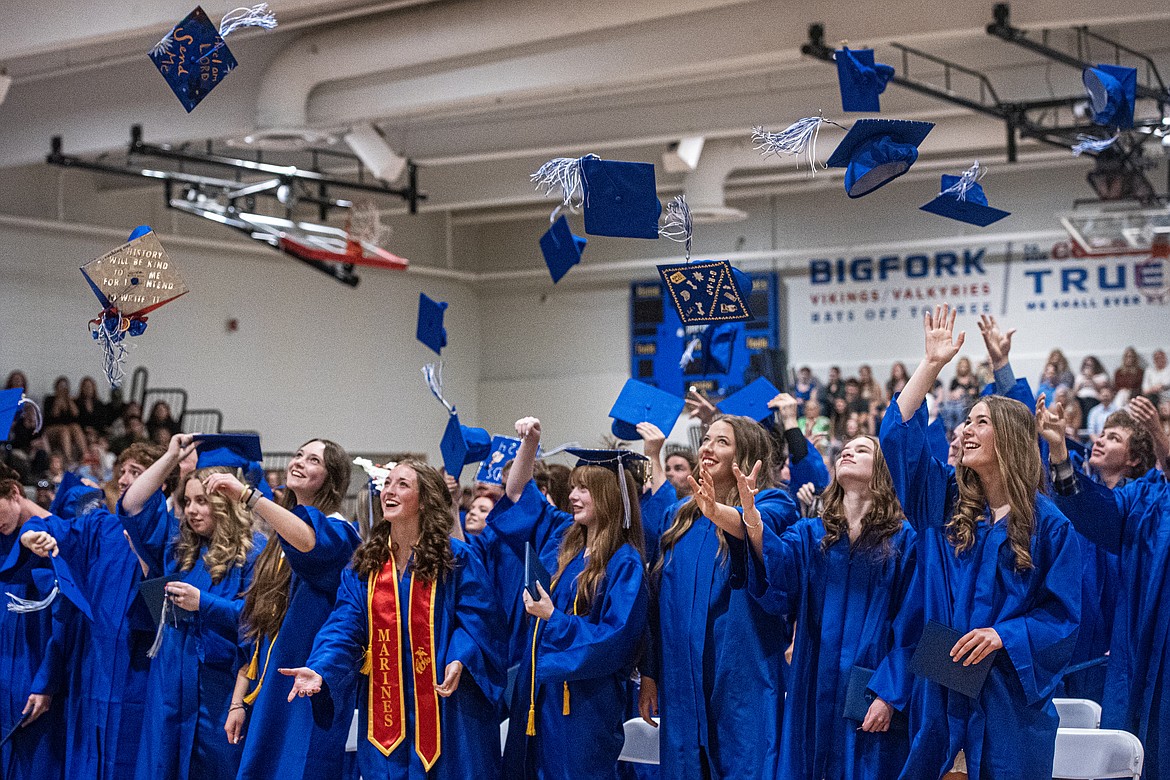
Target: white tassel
[
  {"x": 800, "y": 137},
  {"x": 688, "y": 355},
  {"x": 25, "y": 400},
  {"x": 1089, "y": 143},
  {"x": 113, "y": 353},
  {"x": 678, "y": 226},
  {"x": 966, "y": 181},
  {"x": 377, "y": 474},
  {"x": 563, "y": 173},
  {"x": 162, "y": 622},
  {"x": 17, "y": 604},
  {"x": 259, "y": 15},
  {"x": 625, "y": 493},
  {"x": 433, "y": 372},
  {"x": 560, "y": 448}
]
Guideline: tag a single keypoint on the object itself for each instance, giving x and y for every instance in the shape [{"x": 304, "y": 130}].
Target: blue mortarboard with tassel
[
  {"x": 51, "y": 577},
  {"x": 619, "y": 198},
  {"x": 236, "y": 451},
  {"x": 751, "y": 401},
  {"x": 639, "y": 402},
  {"x": 129, "y": 282},
  {"x": 561, "y": 249},
  {"x": 193, "y": 57},
  {"x": 962, "y": 198},
  {"x": 430, "y": 329},
  {"x": 619, "y": 462},
  {"x": 11, "y": 401},
  {"x": 707, "y": 291},
  {"x": 461, "y": 445},
  {"x": 876, "y": 151},
  {"x": 861, "y": 79},
  {"x": 1112, "y": 91}
]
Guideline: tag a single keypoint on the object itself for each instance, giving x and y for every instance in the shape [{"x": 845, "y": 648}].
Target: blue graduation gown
[
  {"x": 31, "y": 661},
  {"x": 845, "y": 605},
  {"x": 593, "y": 653},
  {"x": 1133, "y": 521},
  {"x": 467, "y": 628},
  {"x": 1010, "y": 730},
  {"x": 108, "y": 658},
  {"x": 716, "y": 655},
  {"x": 304, "y": 738},
  {"x": 193, "y": 676}
]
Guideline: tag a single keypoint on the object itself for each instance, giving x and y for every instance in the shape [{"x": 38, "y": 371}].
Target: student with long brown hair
[
  {"x": 294, "y": 588},
  {"x": 998, "y": 563},
  {"x": 714, "y": 665},
  {"x": 845, "y": 577},
  {"x": 213, "y": 549},
  {"x": 586, "y": 627},
  {"x": 415, "y": 594}
]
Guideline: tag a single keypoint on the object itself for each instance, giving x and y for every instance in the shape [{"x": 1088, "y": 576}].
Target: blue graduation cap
[
  {"x": 462, "y": 445},
  {"x": 236, "y": 451},
  {"x": 63, "y": 584},
  {"x": 430, "y": 323},
  {"x": 718, "y": 343},
  {"x": 861, "y": 79},
  {"x": 962, "y": 198},
  {"x": 876, "y": 151},
  {"x": 193, "y": 57},
  {"x": 561, "y": 249},
  {"x": 1112, "y": 92},
  {"x": 639, "y": 402},
  {"x": 621, "y": 198},
  {"x": 707, "y": 291},
  {"x": 10, "y": 402},
  {"x": 609, "y": 459},
  {"x": 751, "y": 401},
  {"x": 503, "y": 449}
]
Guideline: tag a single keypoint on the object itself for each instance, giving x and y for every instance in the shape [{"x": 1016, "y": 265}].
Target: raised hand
[
  {"x": 653, "y": 439},
  {"x": 939, "y": 327},
  {"x": 306, "y": 682},
  {"x": 526, "y": 426},
  {"x": 1050, "y": 426},
  {"x": 703, "y": 492},
  {"x": 699, "y": 407},
  {"x": 226, "y": 485},
  {"x": 786, "y": 406},
  {"x": 998, "y": 343},
  {"x": 1146, "y": 414},
  {"x": 747, "y": 494}
]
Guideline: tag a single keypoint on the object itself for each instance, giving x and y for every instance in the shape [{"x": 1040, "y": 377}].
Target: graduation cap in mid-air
[
  {"x": 861, "y": 79},
  {"x": 503, "y": 449},
  {"x": 130, "y": 282},
  {"x": 751, "y": 401},
  {"x": 463, "y": 445},
  {"x": 430, "y": 329},
  {"x": 876, "y": 151},
  {"x": 619, "y": 198},
  {"x": 561, "y": 248},
  {"x": 1112, "y": 91},
  {"x": 639, "y": 402},
  {"x": 707, "y": 291},
  {"x": 11, "y": 401},
  {"x": 962, "y": 198},
  {"x": 193, "y": 57}
]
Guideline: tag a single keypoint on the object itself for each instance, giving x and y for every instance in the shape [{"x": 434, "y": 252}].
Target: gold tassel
[
  {"x": 565, "y": 706},
  {"x": 367, "y": 663},
  {"x": 531, "y": 730},
  {"x": 252, "y": 666}
]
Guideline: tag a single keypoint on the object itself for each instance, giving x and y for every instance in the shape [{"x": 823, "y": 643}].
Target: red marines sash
[{"x": 387, "y": 704}]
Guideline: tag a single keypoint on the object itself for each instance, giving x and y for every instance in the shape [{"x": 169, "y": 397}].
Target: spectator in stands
[
  {"x": 871, "y": 391},
  {"x": 833, "y": 389},
  {"x": 806, "y": 385},
  {"x": 813, "y": 424},
  {"x": 135, "y": 432},
  {"x": 838, "y": 416},
  {"x": 1107, "y": 405},
  {"x": 161, "y": 420},
  {"x": 120, "y": 424},
  {"x": 1074, "y": 418},
  {"x": 1064, "y": 374},
  {"x": 1157, "y": 380},
  {"x": 92, "y": 412},
  {"x": 898, "y": 377},
  {"x": 1049, "y": 382},
  {"x": 1127, "y": 379},
  {"x": 966, "y": 381},
  {"x": 62, "y": 427},
  {"x": 1089, "y": 382},
  {"x": 46, "y": 492}
]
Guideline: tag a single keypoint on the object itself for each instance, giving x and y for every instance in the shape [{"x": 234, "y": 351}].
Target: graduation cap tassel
[
  {"x": 433, "y": 372},
  {"x": 970, "y": 177},
  {"x": 113, "y": 349},
  {"x": 625, "y": 493},
  {"x": 162, "y": 622},
  {"x": 678, "y": 226},
  {"x": 561, "y": 448},
  {"x": 259, "y": 15},
  {"x": 688, "y": 355},
  {"x": 17, "y": 604},
  {"x": 1089, "y": 143},
  {"x": 800, "y": 137},
  {"x": 563, "y": 173}
]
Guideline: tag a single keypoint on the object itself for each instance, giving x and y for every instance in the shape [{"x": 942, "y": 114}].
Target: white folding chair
[
  {"x": 503, "y": 734},
  {"x": 641, "y": 745},
  {"x": 1078, "y": 713},
  {"x": 1095, "y": 754},
  {"x": 351, "y": 740}
]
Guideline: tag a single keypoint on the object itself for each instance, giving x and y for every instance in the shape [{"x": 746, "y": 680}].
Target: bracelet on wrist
[
  {"x": 254, "y": 498},
  {"x": 749, "y": 525}
]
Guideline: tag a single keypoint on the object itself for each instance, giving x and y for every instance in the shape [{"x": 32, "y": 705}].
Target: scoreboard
[{"x": 658, "y": 339}]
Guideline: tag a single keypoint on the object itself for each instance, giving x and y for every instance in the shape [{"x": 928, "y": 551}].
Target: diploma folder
[
  {"x": 932, "y": 660},
  {"x": 534, "y": 572},
  {"x": 858, "y": 698}
]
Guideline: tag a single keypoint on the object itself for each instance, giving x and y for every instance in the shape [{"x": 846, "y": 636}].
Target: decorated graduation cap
[
  {"x": 619, "y": 198},
  {"x": 561, "y": 249},
  {"x": 1112, "y": 91},
  {"x": 962, "y": 198},
  {"x": 876, "y": 151},
  {"x": 461, "y": 444},
  {"x": 751, "y": 401},
  {"x": 503, "y": 449},
  {"x": 861, "y": 79},
  {"x": 619, "y": 462},
  {"x": 235, "y": 451},
  {"x": 639, "y": 402},
  {"x": 707, "y": 291},
  {"x": 11, "y": 401},
  {"x": 63, "y": 584},
  {"x": 130, "y": 282},
  {"x": 430, "y": 323},
  {"x": 193, "y": 57}
]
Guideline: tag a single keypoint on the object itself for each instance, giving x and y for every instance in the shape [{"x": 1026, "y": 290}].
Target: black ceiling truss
[{"x": 247, "y": 183}]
